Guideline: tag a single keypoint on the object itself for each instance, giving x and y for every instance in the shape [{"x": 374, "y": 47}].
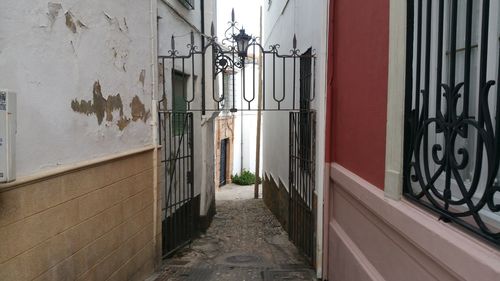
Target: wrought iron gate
[
  {"x": 178, "y": 208},
  {"x": 236, "y": 53},
  {"x": 302, "y": 181}
]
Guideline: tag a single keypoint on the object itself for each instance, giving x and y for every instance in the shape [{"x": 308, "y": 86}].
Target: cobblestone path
[{"x": 244, "y": 242}]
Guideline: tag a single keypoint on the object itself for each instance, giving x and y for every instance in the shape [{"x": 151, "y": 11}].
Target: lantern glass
[{"x": 242, "y": 41}]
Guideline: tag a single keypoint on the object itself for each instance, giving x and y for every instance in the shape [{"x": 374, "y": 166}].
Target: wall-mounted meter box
[{"x": 8, "y": 130}]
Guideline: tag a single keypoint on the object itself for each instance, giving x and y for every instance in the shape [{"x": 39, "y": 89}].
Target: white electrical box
[{"x": 8, "y": 130}]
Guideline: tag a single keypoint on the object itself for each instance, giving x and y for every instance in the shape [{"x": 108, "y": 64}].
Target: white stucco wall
[
  {"x": 283, "y": 19},
  {"x": 245, "y": 131},
  {"x": 53, "y": 52}
]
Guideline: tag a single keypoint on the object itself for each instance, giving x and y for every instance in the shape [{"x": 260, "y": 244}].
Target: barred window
[{"x": 452, "y": 143}]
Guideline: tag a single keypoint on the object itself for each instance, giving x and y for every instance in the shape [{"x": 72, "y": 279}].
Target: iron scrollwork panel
[
  {"x": 452, "y": 140},
  {"x": 227, "y": 58}
]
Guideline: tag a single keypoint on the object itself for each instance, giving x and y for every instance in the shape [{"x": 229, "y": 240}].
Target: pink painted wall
[
  {"x": 357, "y": 80},
  {"x": 405, "y": 242}
]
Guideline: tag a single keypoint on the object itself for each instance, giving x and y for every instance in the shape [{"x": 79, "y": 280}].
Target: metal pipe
[
  {"x": 202, "y": 8},
  {"x": 153, "y": 13},
  {"x": 259, "y": 118},
  {"x": 242, "y": 91}
]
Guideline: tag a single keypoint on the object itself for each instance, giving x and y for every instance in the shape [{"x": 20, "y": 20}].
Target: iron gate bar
[
  {"x": 179, "y": 206},
  {"x": 228, "y": 59},
  {"x": 441, "y": 147},
  {"x": 302, "y": 181}
]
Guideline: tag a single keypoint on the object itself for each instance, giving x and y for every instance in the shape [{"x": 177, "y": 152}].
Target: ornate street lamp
[{"x": 242, "y": 40}]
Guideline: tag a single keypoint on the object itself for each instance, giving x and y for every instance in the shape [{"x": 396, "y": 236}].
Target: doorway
[{"x": 223, "y": 161}]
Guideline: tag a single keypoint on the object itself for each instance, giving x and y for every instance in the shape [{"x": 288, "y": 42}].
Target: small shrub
[{"x": 246, "y": 178}]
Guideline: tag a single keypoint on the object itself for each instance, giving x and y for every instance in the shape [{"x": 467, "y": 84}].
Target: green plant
[{"x": 246, "y": 178}]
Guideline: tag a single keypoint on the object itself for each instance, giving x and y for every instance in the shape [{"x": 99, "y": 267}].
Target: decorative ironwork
[
  {"x": 238, "y": 52},
  {"x": 452, "y": 140}
]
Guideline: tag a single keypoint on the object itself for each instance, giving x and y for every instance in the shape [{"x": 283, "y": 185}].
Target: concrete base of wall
[
  {"x": 202, "y": 223},
  {"x": 276, "y": 199},
  {"x": 94, "y": 222},
  {"x": 206, "y": 221}
]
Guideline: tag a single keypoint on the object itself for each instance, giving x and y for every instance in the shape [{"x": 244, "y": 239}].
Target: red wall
[{"x": 358, "y": 62}]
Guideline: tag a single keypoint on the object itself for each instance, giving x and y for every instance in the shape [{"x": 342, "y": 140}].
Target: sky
[{"x": 246, "y": 14}]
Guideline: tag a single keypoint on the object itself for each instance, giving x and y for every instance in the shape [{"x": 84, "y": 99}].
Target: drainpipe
[
  {"x": 242, "y": 91},
  {"x": 259, "y": 116},
  {"x": 202, "y": 8},
  {"x": 154, "y": 120}
]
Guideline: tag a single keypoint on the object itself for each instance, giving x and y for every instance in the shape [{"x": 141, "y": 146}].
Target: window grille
[{"x": 452, "y": 112}]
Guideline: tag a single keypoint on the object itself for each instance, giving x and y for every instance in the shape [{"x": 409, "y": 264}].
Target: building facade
[
  {"x": 87, "y": 200},
  {"x": 381, "y": 144},
  {"x": 180, "y": 24},
  {"x": 285, "y": 24}
]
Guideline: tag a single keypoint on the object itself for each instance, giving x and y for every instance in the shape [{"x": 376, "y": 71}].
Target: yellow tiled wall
[{"x": 93, "y": 223}]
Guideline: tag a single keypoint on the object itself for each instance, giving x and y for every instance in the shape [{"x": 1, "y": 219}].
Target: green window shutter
[{"x": 179, "y": 104}]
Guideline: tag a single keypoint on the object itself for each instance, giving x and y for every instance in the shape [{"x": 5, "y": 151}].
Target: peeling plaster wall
[{"x": 54, "y": 54}]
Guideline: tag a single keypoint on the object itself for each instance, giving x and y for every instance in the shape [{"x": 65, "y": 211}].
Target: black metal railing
[{"x": 452, "y": 116}]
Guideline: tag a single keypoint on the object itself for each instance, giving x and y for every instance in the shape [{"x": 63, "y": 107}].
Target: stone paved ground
[{"x": 244, "y": 242}]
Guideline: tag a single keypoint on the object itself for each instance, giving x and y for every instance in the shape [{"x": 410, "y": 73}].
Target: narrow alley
[
  {"x": 244, "y": 242},
  {"x": 132, "y": 134}
]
